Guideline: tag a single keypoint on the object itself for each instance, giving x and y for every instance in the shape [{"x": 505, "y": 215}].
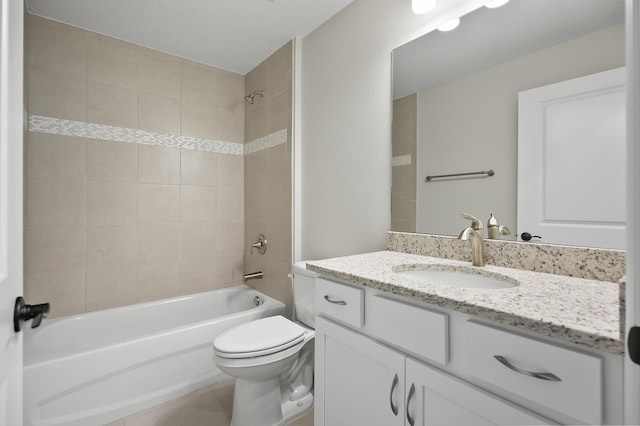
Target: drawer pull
[
  {"x": 394, "y": 408},
  {"x": 412, "y": 391},
  {"x": 544, "y": 376},
  {"x": 335, "y": 302}
]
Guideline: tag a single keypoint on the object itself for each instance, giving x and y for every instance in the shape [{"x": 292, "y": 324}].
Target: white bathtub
[{"x": 94, "y": 368}]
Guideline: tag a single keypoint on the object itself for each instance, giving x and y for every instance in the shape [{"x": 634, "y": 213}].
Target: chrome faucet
[{"x": 475, "y": 234}]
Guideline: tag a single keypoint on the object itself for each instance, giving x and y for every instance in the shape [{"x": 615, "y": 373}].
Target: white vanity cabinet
[{"x": 387, "y": 360}]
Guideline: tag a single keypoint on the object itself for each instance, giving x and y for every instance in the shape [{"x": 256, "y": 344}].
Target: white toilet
[{"x": 272, "y": 360}]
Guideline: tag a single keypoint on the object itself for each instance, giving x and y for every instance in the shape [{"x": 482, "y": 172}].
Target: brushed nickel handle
[
  {"x": 394, "y": 408},
  {"x": 412, "y": 391},
  {"x": 543, "y": 376},
  {"x": 335, "y": 302}
]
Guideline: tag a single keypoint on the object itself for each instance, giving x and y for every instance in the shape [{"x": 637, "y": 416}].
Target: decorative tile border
[
  {"x": 401, "y": 160},
  {"x": 269, "y": 141},
  {"x": 60, "y": 126}
]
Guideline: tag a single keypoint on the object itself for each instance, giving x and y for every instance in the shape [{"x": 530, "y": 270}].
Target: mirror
[{"x": 455, "y": 107}]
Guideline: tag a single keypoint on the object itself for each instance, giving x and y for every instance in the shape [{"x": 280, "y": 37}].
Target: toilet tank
[{"x": 304, "y": 294}]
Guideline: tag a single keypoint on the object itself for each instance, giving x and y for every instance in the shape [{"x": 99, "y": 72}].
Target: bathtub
[{"x": 94, "y": 368}]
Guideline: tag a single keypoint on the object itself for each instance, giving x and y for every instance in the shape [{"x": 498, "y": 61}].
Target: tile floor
[{"x": 207, "y": 407}]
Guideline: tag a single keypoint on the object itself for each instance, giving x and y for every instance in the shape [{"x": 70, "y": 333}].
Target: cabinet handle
[
  {"x": 394, "y": 408},
  {"x": 335, "y": 302},
  {"x": 544, "y": 376},
  {"x": 412, "y": 391}
]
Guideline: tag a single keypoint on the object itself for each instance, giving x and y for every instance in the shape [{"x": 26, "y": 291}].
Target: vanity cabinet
[
  {"x": 385, "y": 360},
  {"x": 360, "y": 381}
]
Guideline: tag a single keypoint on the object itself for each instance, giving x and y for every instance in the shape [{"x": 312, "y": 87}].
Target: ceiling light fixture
[
  {"x": 420, "y": 7},
  {"x": 450, "y": 25},
  {"x": 496, "y": 3}
]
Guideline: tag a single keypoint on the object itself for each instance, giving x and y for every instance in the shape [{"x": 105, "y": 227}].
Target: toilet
[{"x": 272, "y": 360}]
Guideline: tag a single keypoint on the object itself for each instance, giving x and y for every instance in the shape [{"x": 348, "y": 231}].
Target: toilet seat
[{"x": 258, "y": 338}]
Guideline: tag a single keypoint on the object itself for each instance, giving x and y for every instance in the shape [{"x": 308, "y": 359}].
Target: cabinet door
[
  {"x": 436, "y": 398},
  {"x": 358, "y": 381}
]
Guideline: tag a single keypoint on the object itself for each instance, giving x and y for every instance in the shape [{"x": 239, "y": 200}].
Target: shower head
[{"x": 249, "y": 98}]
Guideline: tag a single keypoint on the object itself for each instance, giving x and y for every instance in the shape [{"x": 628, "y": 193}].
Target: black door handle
[
  {"x": 527, "y": 236},
  {"x": 23, "y": 312}
]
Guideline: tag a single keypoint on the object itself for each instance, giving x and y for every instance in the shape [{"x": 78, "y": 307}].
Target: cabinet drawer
[
  {"x": 574, "y": 387},
  {"x": 419, "y": 331},
  {"x": 340, "y": 301}
]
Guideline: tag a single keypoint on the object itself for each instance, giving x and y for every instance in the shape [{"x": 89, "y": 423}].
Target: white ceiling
[
  {"x": 487, "y": 37},
  {"x": 235, "y": 35}
]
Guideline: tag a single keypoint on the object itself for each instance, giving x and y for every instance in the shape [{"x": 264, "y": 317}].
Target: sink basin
[{"x": 455, "y": 277}]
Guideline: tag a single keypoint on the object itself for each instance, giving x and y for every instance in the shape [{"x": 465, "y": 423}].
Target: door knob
[
  {"x": 527, "y": 236},
  {"x": 23, "y": 312}
]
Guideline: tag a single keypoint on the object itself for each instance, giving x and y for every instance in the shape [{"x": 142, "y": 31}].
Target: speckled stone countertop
[{"x": 576, "y": 310}]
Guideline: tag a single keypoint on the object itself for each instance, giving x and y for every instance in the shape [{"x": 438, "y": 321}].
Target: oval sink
[{"x": 461, "y": 278}]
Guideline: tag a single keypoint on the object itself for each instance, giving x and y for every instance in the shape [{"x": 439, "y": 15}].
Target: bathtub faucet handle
[
  {"x": 23, "y": 312},
  {"x": 260, "y": 245}
]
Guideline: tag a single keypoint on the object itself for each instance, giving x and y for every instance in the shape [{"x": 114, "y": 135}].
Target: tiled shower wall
[
  {"x": 134, "y": 172},
  {"x": 404, "y": 146},
  {"x": 267, "y": 173}
]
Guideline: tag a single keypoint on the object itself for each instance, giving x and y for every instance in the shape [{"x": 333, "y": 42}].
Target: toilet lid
[{"x": 260, "y": 337}]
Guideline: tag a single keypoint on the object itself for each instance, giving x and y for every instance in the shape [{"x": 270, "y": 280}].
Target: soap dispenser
[{"x": 493, "y": 228}]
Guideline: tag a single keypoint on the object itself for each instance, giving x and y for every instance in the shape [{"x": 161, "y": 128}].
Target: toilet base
[{"x": 260, "y": 404}]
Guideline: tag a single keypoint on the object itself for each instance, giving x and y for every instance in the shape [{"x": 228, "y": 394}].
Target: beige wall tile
[
  {"x": 230, "y": 204},
  {"x": 230, "y": 237},
  {"x": 158, "y": 203},
  {"x": 278, "y": 112},
  {"x": 109, "y": 287},
  {"x": 111, "y": 161},
  {"x": 199, "y": 120},
  {"x": 199, "y": 240},
  {"x": 112, "y": 245},
  {"x": 55, "y": 156},
  {"x": 231, "y": 124},
  {"x": 158, "y": 279},
  {"x": 157, "y": 241},
  {"x": 230, "y": 90},
  {"x": 198, "y": 168},
  {"x": 199, "y": 83},
  {"x": 54, "y": 248},
  {"x": 230, "y": 269},
  {"x": 112, "y": 61},
  {"x": 158, "y": 165},
  {"x": 158, "y": 113},
  {"x": 111, "y": 203},
  {"x": 255, "y": 125},
  {"x": 63, "y": 290},
  {"x": 55, "y": 47},
  {"x": 279, "y": 66},
  {"x": 198, "y": 275},
  {"x": 53, "y": 95},
  {"x": 230, "y": 171},
  {"x": 55, "y": 202},
  {"x": 159, "y": 73},
  {"x": 112, "y": 105},
  {"x": 198, "y": 203}
]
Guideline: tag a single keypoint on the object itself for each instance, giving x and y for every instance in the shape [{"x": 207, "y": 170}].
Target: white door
[
  {"x": 11, "y": 128},
  {"x": 571, "y": 161},
  {"x": 632, "y": 369},
  {"x": 436, "y": 398},
  {"x": 360, "y": 382}
]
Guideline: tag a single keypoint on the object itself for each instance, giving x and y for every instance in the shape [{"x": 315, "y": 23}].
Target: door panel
[
  {"x": 11, "y": 119},
  {"x": 571, "y": 161}
]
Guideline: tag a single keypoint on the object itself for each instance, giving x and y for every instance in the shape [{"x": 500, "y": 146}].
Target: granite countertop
[{"x": 576, "y": 310}]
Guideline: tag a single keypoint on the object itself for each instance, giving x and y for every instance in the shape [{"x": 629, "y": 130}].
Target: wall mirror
[{"x": 455, "y": 109}]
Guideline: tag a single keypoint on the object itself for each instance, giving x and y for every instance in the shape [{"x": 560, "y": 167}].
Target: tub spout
[{"x": 252, "y": 276}]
